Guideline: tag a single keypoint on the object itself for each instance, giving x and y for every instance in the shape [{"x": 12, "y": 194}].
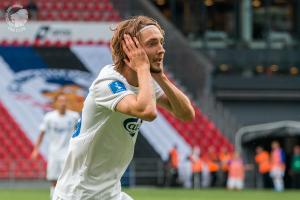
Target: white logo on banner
[{"x": 16, "y": 17}]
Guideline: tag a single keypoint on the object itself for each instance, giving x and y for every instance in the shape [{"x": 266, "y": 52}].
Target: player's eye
[{"x": 151, "y": 44}]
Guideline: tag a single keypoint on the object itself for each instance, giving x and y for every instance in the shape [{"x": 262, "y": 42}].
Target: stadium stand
[
  {"x": 15, "y": 149},
  {"x": 84, "y": 56},
  {"x": 201, "y": 132},
  {"x": 71, "y": 10}
]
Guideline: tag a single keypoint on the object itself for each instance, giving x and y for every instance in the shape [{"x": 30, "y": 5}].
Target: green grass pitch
[{"x": 166, "y": 194}]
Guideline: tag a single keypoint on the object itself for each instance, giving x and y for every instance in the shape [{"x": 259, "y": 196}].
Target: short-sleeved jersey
[
  {"x": 103, "y": 145},
  {"x": 59, "y": 129}
]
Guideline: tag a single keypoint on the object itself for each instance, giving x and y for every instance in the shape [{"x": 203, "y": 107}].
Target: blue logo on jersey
[
  {"x": 77, "y": 130},
  {"x": 117, "y": 86},
  {"x": 132, "y": 125}
]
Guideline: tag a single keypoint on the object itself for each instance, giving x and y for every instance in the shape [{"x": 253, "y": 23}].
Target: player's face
[
  {"x": 275, "y": 145},
  {"x": 61, "y": 103},
  {"x": 152, "y": 41}
]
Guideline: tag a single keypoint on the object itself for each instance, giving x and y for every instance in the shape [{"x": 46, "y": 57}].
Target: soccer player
[
  {"x": 122, "y": 96},
  {"x": 277, "y": 166},
  {"x": 59, "y": 126}
]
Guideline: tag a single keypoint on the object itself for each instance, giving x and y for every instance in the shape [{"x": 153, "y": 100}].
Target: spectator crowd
[{"x": 227, "y": 169}]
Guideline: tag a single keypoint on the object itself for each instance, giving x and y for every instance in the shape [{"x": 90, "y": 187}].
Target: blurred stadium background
[{"x": 238, "y": 60}]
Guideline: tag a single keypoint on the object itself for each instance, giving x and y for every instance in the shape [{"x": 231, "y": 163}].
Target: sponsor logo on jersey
[
  {"x": 77, "y": 130},
  {"x": 64, "y": 128},
  {"x": 117, "y": 86},
  {"x": 132, "y": 125}
]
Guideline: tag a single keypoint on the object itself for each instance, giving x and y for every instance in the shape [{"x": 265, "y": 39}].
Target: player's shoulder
[
  {"x": 109, "y": 75},
  {"x": 109, "y": 72},
  {"x": 73, "y": 113},
  {"x": 50, "y": 115}
]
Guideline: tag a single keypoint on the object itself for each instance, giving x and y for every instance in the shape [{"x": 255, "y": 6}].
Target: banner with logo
[
  {"x": 32, "y": 77},
  {"x": 17, "y": 26},
  {"x": 54, "y": 31}
]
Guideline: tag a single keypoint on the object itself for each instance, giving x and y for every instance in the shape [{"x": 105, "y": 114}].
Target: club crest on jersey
[
  {"x": 117, "y": 86},
  {"x": 132, "y": 125}
]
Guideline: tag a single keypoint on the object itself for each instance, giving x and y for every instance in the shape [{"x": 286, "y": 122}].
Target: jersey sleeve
[
  {"x": 45, "y": 123},
  {"x": 108, "y": 93}
]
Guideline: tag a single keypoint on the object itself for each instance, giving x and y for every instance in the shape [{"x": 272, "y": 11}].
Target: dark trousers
[
  {"x": 296, "y": 180},
  {"x": 196, "y": 179},
  {"x": 213, "y": 181},
  {"x": 174, "y": 178},
  {"x": 267, "y": 182},
  {"x": 224, "y": 178}
]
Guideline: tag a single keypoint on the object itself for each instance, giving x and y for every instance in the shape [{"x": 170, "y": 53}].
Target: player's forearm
[
  {"x": 39, "y": 141},
  {"x": 145, "y": 100},
  {"x": 179, "y": 102}
]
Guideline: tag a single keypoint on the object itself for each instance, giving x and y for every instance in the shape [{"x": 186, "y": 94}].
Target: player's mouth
[{"x": 158, "y": 60}]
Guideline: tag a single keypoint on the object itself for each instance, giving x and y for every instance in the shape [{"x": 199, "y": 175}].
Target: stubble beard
[{"x": 155, "y": 69}]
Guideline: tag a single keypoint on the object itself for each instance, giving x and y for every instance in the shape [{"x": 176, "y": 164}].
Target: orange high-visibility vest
[
  {"x": 213, "y": 166},
  {"x": 236, "y": 169},
  {"x": 225, "y": 158},
  {"x": 196, "y": 166},
  {"x": 174, "y": 158},
  {"x": 263, "y": 161}
]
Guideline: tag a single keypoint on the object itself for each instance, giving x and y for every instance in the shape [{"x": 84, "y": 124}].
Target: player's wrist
[
  {"x": 143, "y": 68},
  {"x": 159, "y": 77}
]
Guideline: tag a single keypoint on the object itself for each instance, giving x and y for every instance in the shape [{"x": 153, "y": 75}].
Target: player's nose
[{"x": 161, "y": 49}]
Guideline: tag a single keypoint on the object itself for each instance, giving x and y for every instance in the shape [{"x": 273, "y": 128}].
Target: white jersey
[
  {"x": 101, "y": 151},
  {"x": 59, "y": 129}
]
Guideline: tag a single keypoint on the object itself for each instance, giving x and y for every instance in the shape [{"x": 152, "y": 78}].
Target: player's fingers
[
  {"x": 125, "y": 48},
  {"x": 126, "y": 43},
  {"x": 127, "y": 62},
  {"x": 137, "y": 43},
  {"x": 129, "y": 42}
]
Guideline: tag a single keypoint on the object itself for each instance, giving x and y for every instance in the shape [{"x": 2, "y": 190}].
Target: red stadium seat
[
  {"x": 26, "y": 43},
  {"x": 97, "y": 16},
  {"x": 79, "y": 42},
  {"x": 58, "y": 6},
  {"x": 68, "y": 6},
  {"x": 108, "y": 7},
  {"x": 4, "y": 43},
  {"x": 74, "y": 16},
  {"x": 57, "y": 9},
  {"x": 99, "y": 7},
  {"x": 58, "y": 43},
  {"x": 79, "y": 6},
  {"x": 115, "y": 16},
  {"x": 201, "y": 132},
  {"x": 15, "y": 150}
]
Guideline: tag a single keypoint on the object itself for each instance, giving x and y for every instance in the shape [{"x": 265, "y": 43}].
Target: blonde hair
[{"x": 132, "y": 27}]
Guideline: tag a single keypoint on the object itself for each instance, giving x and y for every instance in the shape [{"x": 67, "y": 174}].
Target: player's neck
[
  {"x": 62, "y": 111},
  {"x": 130, "y": 76}
]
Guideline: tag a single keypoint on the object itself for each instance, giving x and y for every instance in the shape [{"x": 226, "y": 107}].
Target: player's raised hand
[
  {"x": 34, "y": 154},
  {"x": 137, "y": 57}
]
